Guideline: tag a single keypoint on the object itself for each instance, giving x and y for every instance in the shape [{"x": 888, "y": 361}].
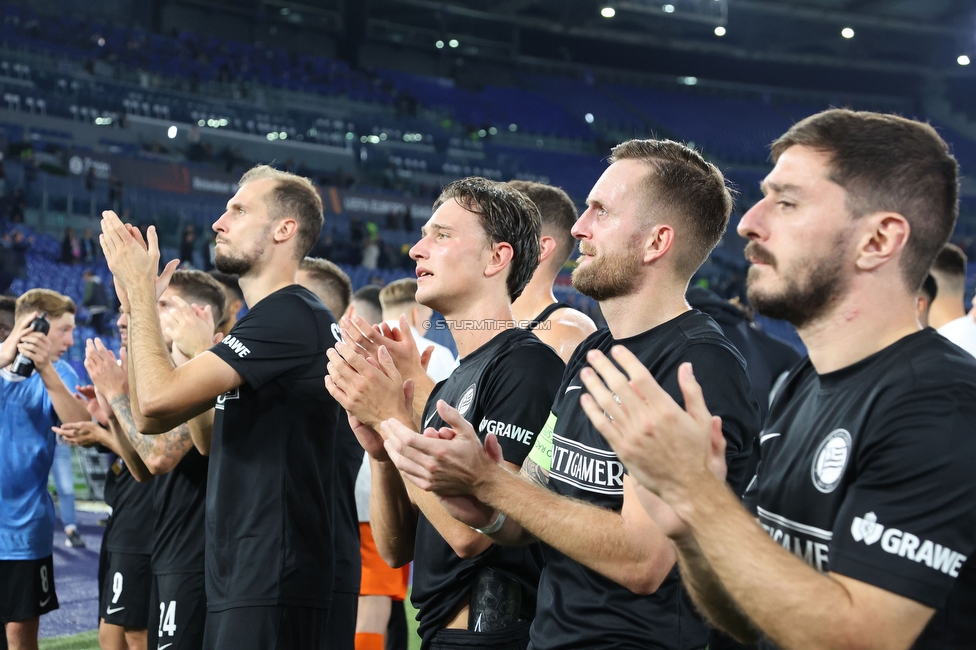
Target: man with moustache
[
  {"x": 269, "y": 553},
  {"x": 610, "y": 578},
  {"x": 865, "y": 485}
]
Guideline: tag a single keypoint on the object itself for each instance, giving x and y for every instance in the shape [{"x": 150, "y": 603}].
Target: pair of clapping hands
[
  {"x": 667, "y": 449},
  {"x": 189, "y": 326},
  {"x": 373, "y": 373}
]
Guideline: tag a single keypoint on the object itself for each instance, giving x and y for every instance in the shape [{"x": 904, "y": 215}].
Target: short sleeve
[
  {"x": 908, "y": 521},
  {"x": 728, "y": 394},
  {"x": 517, "y": 402},
  {"x": 274, "y": 339}
]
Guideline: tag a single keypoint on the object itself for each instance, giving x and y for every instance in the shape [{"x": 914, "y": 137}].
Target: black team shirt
[
  {"x": 179, "y": 497},
  {"x": 348, "y": 460},
  {"x": 269, "y": 491},
  {"x": 130, "y": 528},
  {"x": 504, "y": 387},
  {"x": 868, "y": 472},
  {"x": 578, "y": 607}
]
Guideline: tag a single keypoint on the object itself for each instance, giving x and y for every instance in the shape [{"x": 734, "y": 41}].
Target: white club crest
[
  {"x": 830, "y": 461},
  {"x": 466, "y": 400}
]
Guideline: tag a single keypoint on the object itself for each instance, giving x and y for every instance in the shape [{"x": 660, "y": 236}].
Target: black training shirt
[
  {"x": 132, "y": 513},
  {"x": 348, "y": 558},
  {"x": 578, "y": 607},
  {"x": 180, "y": 499},
  {"x": 269, "y": 490},
  {"x": 504, "y": 387},
  {"x": 868, "y": 472}
]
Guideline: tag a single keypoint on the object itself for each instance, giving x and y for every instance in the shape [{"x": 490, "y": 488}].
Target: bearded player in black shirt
[
  {"x": 269, "y": 555},
  {"x": 610, "y": 577},
  {"x": 865, "y": 484},
  {"x": 478, "y": 251}
]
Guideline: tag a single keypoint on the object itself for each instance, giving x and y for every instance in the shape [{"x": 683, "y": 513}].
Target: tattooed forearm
[
  {"x": 123, "y": 413},
  {"x": 532, "y": 472},
  {"x": 160, "y": 452}
]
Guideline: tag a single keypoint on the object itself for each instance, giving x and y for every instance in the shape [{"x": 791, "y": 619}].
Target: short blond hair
[
  {"x": 294, "y": 196},
  {"x": 44, "y": 300},
  {"x": 332, "y": 285},
  {"x": 398, "y": 292}
]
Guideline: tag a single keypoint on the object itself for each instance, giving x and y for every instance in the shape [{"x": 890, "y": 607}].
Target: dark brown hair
[
  {"x": 887, "y": 163},
  {"x": 558, "y": 213},
  {"x": 292, "y": 196},
  {"x": 8, "y": 303},
  {"x": 686, "y": 187},
  {"x": 507, "y": 216},
  {"x": 200, "y": 288},
  {"x": 333, "y": 286}
]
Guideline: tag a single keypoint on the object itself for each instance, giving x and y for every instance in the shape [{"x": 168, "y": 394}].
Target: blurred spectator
[
  {"x": 371, "y": 254},
  {"x": 8, "y": 306},
  {"x": 90, "y": 179},
  {"x": 13, "y": 258},
  {"x": 115, "y": 189},
  {"x": 356, "y": 232},
  {"x": 89, "y": 247},
  {"x": 208, "y": 253},
  {"x": 18, "y": 204},
  {"x": 70, "y": 247},
  {"x": 187, "y": 244},
  {"x": 96, "y": 300},
  {"x": 30, "y": 169},
  {"x": 3, "y": 177}
]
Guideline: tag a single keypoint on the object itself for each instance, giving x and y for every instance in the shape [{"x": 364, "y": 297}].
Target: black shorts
[
  {"x": 341, "y": 628},
  {"x": 266, "y": 628},
  {"x": 178, "y": 612},
  {"x": 126, "y": 590},
  {"x": 514, "y": 638},
  {"x": 26, "y": 589}
]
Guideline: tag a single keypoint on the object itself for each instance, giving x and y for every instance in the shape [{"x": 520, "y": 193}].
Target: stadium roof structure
[{"x": 851, "y": 45}]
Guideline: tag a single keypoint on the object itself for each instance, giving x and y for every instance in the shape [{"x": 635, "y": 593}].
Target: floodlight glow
[
  {"x": 847, "y": 32},
  {"x": 963, "y": 60},
  {"x": 608, "y": 12},
  {"x": 668, "y": 9},
  {"x": 439, "y": 45},
  {"x": 453, "y": 42},
  {"x": 720, "y": 31},
  {"x": 171, "y": 132},
  {"x": 589, "y": 118}
]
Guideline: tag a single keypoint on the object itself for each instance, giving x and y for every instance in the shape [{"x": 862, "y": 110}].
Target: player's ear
[
  {"x": 501, "y": 257},
  {"x": 285, "y": 229}
]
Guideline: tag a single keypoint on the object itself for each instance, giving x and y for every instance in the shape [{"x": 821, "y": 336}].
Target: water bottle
[{"x": 22, "y": 365}]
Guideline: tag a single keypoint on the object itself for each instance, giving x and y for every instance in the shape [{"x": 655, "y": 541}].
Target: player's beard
[
  {"x": 242, "y": 264},
  {"x": 611, "y": 275},
  {"x": 811, "y": 287}
]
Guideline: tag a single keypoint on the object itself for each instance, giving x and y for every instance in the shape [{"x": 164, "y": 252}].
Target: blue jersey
[{"x": 26, "y": 453}]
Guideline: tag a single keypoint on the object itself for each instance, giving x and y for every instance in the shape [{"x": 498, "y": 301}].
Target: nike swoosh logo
[
  {"x": 766, "y": 437},
  {"x": 429, "y": 418},
  {"x": 112, "y": 610},
  {"x": 572, "y": 388},
  {"x": 45, "y": 601},
  {"x": 163, "y": 647}
]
